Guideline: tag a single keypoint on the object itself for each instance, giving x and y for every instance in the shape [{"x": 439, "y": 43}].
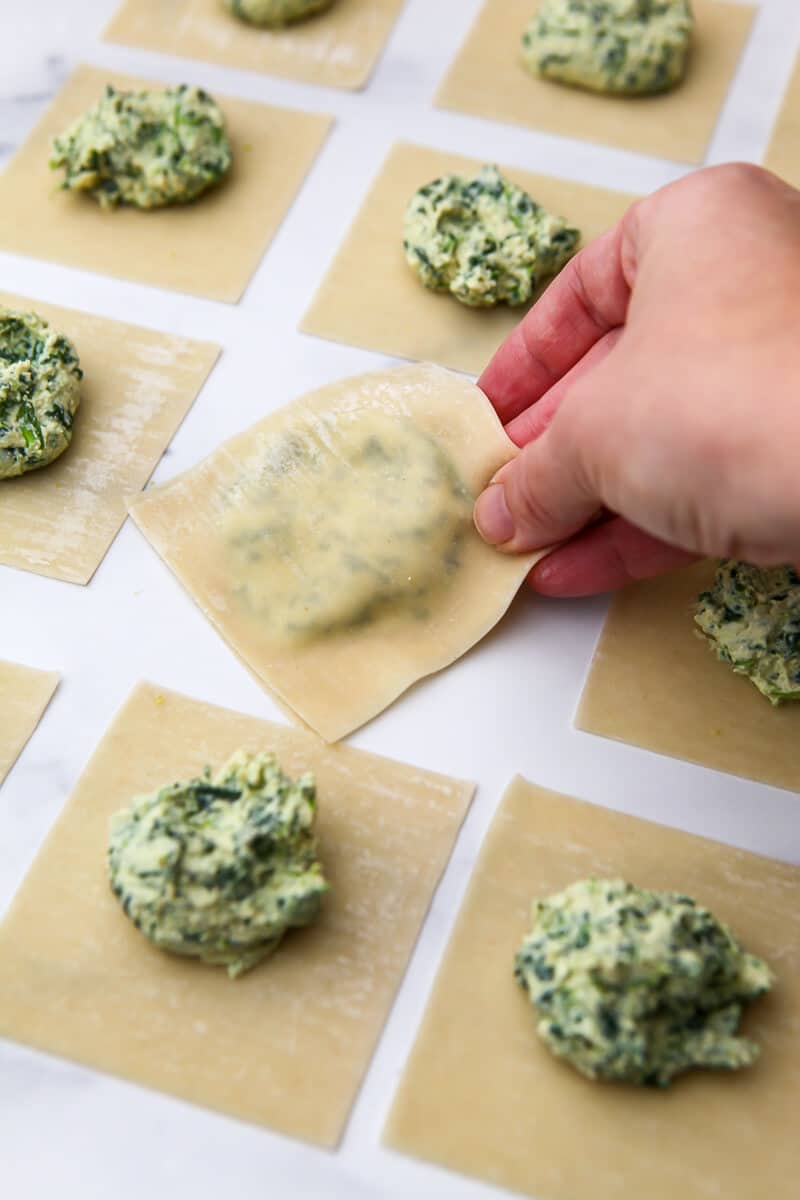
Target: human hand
[{"x": 655, "y": 390}]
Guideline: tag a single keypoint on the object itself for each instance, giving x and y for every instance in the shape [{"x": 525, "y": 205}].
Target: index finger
[{"x": 586, "y": 300}]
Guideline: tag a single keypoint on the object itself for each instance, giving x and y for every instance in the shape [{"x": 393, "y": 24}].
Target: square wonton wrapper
[
  {"x": 138, "y": 386},
  {"x": 484, "y": 1096},
  {"x": 655, "y": 682},
  {"x": 488, "y": 80},
  {"x": 783, "y": 155},
  {"x": 208, "y": 248},
  {"x": 338, "y": 48},
  {"x": 24, "y": 695},
  {"x": 287, "y": 1044},
  {"x": 370, "y": 297},
  {"x": 336, "y": 682}
]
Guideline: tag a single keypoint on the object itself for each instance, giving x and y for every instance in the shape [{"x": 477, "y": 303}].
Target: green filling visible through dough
[
  {"x": 221, "y": 866},
  {"x": 39, "y": 392},
  {"x": 349, "y": 519},
  {"x": 628, "y": 47},
  {"x": 147, "y": 149},
  {"x": 275, "y": 12},
  {"x": 484, "y": 240},
  {"x": 751, "y": 617},
  {"x": 636, "y": 985}
]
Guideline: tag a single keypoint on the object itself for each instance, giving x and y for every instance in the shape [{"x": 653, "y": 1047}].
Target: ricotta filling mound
[
  {"x": 39, "y": 392},
  {"x": 275, "y": 12},
  {"x": 484, "y": 240},
  {"x": 628, "y": 47},
  {"x": 221, "y": 866},
  {"x": 636, "y": 985},
  {"x": 751, "y": 618},
  {"x": 147, "y": 148}
]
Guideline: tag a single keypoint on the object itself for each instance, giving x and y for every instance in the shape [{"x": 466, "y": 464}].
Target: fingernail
[{"x": 492, "y": 517}]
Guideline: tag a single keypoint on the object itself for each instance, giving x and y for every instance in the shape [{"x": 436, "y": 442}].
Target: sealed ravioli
[{"x": 332, "y": 544}]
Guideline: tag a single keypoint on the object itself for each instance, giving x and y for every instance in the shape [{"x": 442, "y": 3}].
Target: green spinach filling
[
  {"x": 275, "y": 12},
  {"x": 147, "y": 148},
  {"x": 751, "y": 618},
  {"x": 484, "y": 240},
  {"x": 637, "y": 985},
  {"x": 39, "y": 392},
  {"x": 628, "y": 47},
  {"x": 221, "y": 866}
]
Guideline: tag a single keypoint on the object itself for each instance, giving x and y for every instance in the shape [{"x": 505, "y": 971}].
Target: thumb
[{"x": 542, "y": 496}]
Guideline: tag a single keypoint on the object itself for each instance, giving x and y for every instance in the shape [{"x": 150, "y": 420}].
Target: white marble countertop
[{"x": 506, "y": 707}]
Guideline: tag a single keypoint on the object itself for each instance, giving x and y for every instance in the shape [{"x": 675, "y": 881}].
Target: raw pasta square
[
  {"x": 371, "y": 298},
  {"x": 137, "y": 388},
  {"x": 24, "y": 695},
  {"x": 287, "y": 1044},
  {"x": 488, "y": 80},
  {"x": 483, "y": 1096},
  {"x": 783, "y": 155},
  {"x": 655, "y": 682},
  {"x": 249, "y": 535},
  {"x": 208, "y": 248},
  {"x": 338, "y": 48}
]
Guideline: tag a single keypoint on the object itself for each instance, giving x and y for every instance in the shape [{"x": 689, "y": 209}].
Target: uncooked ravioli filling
[
  {"x": 484, "y": 240},
  {"x": 618, "y": 46},
  {"x": 219, "y": 867},
  {"x": 751, "y": 618},
  {"x": 39, "y": 392},
  {"x": 145, "y": 148},
  {"x": 351, "y": 518},
  {"x": 635, "y": 985},
  {"x": 275, "y": 12}
]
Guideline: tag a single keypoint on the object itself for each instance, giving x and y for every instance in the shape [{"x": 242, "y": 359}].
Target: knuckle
[{"x": 738, "y": 175}]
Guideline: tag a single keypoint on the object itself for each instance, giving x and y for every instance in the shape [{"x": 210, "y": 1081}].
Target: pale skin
[{"x": 655, "y": 392}]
